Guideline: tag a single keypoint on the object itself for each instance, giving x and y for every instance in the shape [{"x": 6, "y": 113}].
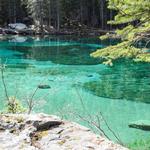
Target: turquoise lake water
[{"x": 79, "y": 83}]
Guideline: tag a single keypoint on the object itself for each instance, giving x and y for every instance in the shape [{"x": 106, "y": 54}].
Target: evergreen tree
[
  {"x": 58, "y": 13},
  {"x": 135, "y": 35}
]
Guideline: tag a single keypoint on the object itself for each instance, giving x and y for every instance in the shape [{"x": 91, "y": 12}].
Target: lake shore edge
[{"x": 33, "y": 32}]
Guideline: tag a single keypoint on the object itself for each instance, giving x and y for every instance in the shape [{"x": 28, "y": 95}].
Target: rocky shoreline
[
  {"x": 44, "y": 132},
  {"x": 64, "y": 31}
]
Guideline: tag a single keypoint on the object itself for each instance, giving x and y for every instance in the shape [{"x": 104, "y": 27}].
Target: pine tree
[
  {"x": 135, "y": 16},
  {"x": 58, "y": 13}
]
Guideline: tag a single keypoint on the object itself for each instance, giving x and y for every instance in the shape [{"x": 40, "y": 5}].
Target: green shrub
[
  {"x": 14, "y": 106},
  {"x": 140, "y": 145}
]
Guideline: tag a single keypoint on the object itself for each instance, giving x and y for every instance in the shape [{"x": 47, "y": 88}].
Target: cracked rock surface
[{"x": 44, "y": 132}]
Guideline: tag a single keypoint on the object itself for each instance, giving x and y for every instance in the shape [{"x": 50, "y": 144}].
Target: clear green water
[{"x": 121, "y": 92}]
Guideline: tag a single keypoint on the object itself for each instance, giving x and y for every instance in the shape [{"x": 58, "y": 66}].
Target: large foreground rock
[{"x": 43, "y": 132}]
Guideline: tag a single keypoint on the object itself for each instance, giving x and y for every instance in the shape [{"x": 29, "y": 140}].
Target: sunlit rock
[{"x": 17, "y": 26}]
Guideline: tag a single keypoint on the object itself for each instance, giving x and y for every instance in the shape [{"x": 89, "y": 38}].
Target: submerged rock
[
  {"x": 44, "y": 87},
  {"x": 90, "y": 75},
  {"x": 141, "y": 124}
]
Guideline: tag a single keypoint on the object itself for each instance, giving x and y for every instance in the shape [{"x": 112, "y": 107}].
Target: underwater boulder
[
  {"x": 44, "y": 87},
  {"x": 140, "y": 124},
  {"x": 90, "y": 75}
]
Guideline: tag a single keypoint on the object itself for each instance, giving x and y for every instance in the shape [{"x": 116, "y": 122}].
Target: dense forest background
[{"x": 57, "y": 13}]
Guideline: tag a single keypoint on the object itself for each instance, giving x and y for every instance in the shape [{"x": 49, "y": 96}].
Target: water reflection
[{"x": 60, "y": 51}]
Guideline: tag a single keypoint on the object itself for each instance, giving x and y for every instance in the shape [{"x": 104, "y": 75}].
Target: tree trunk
[{"x": 58, "y": 15}]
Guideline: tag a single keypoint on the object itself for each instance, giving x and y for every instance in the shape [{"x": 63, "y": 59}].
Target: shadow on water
[
  {"x": 66, "y": 55},
  {"x": 124, "y": 81}
]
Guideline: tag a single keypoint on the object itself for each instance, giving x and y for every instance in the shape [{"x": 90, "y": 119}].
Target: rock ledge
[{"x": 44, "y": 132}]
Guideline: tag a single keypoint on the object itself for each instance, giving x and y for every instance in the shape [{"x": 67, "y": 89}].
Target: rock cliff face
[{"x": 44, "y": 132}]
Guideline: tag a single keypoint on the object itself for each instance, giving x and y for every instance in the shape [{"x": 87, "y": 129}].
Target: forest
[{"x": 57, "y": 13}]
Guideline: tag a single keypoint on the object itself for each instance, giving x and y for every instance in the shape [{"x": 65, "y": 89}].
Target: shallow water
[{"x": 78, "y": 82}]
